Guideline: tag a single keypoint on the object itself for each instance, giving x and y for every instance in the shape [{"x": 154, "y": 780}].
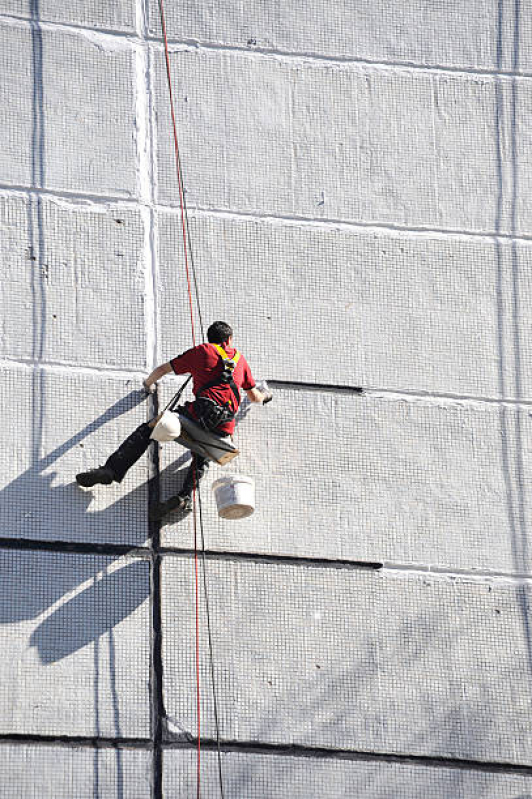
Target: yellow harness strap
[
  {"x": 230, "y": 362},
  {"x": 225, "y": 357}
]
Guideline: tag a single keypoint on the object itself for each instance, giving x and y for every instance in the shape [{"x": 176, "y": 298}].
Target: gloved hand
[{"x": 264, "y": 389}]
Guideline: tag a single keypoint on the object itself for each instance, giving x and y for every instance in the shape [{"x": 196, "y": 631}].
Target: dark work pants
[{"x": 136, "y": 444}]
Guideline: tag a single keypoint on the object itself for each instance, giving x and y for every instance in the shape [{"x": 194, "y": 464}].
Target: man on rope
[{"x": 218, "y": 371}]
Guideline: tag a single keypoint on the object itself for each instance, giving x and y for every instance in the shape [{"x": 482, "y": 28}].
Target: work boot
[
  {"x": 180, "y": 502},
  {"x": 102, "y": 475}
]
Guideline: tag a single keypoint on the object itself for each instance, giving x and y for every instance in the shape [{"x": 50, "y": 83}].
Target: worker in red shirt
[{"x": 218, "y": 372}]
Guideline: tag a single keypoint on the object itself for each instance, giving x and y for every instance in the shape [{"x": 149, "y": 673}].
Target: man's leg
[
  {"x": 183, "y": 500},
  {"x": 115, "y": 467},
  {"x": 195, "y": 472}
]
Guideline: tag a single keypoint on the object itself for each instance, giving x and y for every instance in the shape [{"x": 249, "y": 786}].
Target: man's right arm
[
  {"x": 179, "y": 366},
  {"x": 156, "y": 375},
  {"x": 256, "y": 395}
]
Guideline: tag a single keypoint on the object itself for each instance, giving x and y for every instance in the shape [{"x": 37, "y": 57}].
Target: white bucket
[
  {"x": 168, "y": 428},
  {"x": 235, "y": 496}
]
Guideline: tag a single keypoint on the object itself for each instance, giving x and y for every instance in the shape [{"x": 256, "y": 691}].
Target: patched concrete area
[
  {"x": 78, "y": 278},
  {"x": 75, "y": 644},
  {"x": 356, "y": 307},
  {"x": 374, "y": 478},
  {"x": 411, "y": 148},
  {"x": 449, "y": 34},
  {"x": 354, "y": 660},
  {"x": 59, "y": 772},
  {"x": 261, "y": 776},
  {"x": 118, "y": 15},
  {"x": 61, "y": 424},
  {"x": 67, "y": 112}
]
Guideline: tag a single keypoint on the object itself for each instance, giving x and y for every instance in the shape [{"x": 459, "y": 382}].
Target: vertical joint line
[
  {"x": 146, "y": 179},
  {"x": 158, "y": 713}
]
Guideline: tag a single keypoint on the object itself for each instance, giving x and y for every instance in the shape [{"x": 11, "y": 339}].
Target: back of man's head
[{"x": 219, "y": 332}]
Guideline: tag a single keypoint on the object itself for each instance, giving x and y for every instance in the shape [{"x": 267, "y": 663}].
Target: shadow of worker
[
  {"x": 110, "y": 596},
  {"x": 32, "y": 581},
  {"x": 36, "y": 506},
  {"x": 80, "y": 597}
]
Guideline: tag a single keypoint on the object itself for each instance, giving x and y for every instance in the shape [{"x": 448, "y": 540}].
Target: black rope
[
  {"x": 211, "y": 647},
  {"x": 181, "y": 183},
  {"x": 191, "y": 251},
  {"x": 174, "y": 402},
  {"x": 175, "y": 399}
]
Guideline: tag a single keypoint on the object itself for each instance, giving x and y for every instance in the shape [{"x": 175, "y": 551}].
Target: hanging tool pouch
[{"x": 209, "y": 412}]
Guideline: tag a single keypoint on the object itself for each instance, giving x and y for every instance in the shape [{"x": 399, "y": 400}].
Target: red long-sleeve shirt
[{"x": 205, "y": 364}]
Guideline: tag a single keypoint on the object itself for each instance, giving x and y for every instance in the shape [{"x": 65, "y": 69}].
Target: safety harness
[{"x": 210, "y": 413}]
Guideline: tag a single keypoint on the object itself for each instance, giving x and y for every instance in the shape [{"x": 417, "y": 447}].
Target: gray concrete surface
[
  {"x": 68, "y": 627},
  {"x": 76, "y": 133},
  {"x": 381, "y": 309},
  {"x": 262, "y": 776},
  {"x": 120, "y": 15},
  {"x": 451, "y": 34},
  {"x": 76, "y": 774},
  {"x": 67, "y": 266},
  {"x": 60, "y": 424},
  {"x": 358, "y": 188},
  {"x": 352, "y": 660},
  {"x": 374, "y": 478},
  {"x": 398, "y": 134}
]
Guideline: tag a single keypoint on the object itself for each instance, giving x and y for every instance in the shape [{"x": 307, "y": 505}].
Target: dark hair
[{"x": 219, "y": 332}]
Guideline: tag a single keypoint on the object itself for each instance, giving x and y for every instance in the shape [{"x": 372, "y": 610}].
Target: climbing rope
[
  {"x": 187, "y": 243},
  {"x": 190, "y": 269}
]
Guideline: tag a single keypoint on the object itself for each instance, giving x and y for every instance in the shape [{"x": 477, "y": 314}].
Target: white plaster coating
[
  {"x": 348, "y": 142},
  {"x": 270, "y": 776},
  {"x": 145, "y": 145},
  {"x": 68, "y": 623},
  {"x": 351, "y": 660},
  {"x": 357, "y": 307},
  {"x": 368, "y": 479},
  {"x": 57, "y": 772},
  {"x": 118, "y": 15},
  {"x": 78, "y": 277},
  {"x": 448, "y": 34},
  {"x": 58, "y": 425},
  {"x": 348, "y": 162},
  {"x": 67, "y": 111}
]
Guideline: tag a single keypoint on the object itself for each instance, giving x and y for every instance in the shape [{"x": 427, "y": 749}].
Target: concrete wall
[{"x": 358, "y": 192}]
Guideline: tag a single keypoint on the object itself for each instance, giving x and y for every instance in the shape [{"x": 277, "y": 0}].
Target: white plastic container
[
  {"x": 168, "y": 428},
  {"x": 235, "y": 496}
]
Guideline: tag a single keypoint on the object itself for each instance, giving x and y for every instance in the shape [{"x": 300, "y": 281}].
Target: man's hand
[
  {"x": 151, "y": 380},
  {"x": 260, "y": 393}
]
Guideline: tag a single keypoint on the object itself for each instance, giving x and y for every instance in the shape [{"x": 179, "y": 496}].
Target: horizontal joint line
[
  {"x": 316, "y": 386},
  {"x": 91, "y": 742},
  {"x": 294, "y": 55},
  {"x": 436, "y": 395},
  {"x": 76, "y": 547},
  {"x": 259, "y": 557},
  {"x": 297, "y": 750},
  {"x": 339, "y": 224},
  {"x": 319, "y": 222},
  {"x": 132, "y": 36}
]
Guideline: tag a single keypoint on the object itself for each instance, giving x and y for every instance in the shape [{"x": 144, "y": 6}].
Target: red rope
[
  {"x": 178, "y": 170},
  {"x": 183, "y": 225}
]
